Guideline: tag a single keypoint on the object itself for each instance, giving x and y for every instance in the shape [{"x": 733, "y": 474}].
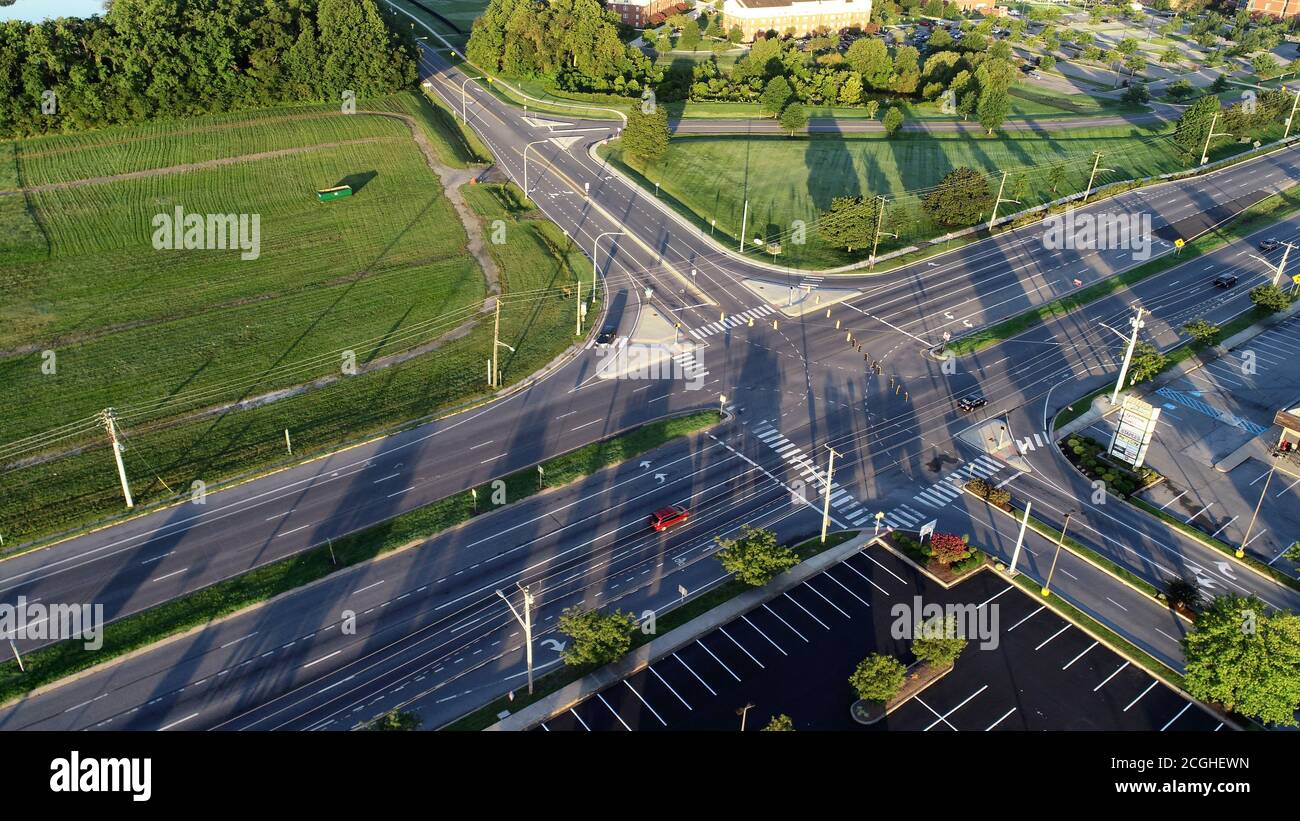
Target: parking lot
[
  {"x": 794, "y": 654},
  {"x": 1208, "y": 416}
]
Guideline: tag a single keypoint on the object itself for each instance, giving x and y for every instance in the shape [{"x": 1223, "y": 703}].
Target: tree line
[
  {"x": 573, "y": 44},
  {"x": 147, "y": 59}
]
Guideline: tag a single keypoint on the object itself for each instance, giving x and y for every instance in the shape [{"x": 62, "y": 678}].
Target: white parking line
[
  {"x": 944, "y": 717},
  {"x": 1109, "y": 677},
  {"x": 1175, "y": 718},
  {"x": 808, "y": 584},
  {"x": 697, "y": 675},
  {"x": 615, "y": 712},
  {"x": 646, "y": 703},
  {"x": 804, "y": 609},
  {"x": 670, "y": 688},
  {"x": 1139, "y": 698},
  {"x": 828, "y": 575},
  {"x": 1000, "y": 720},
  {"x": 724, "y": 632},
  {"x": 1054, "y": 635},
  {"x": 786, "y": 623},
  {"x": 1026, "y": 618},
  {"x": 700, "y": 642},
  {"x": 1081, "y": 655},
  {"x": 866, "y": 578},
  {"x": 580, "y": 721},
  {"x": 764, "y": 635}
]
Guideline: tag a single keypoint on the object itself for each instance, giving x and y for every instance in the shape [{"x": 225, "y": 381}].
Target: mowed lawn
[
  {"x": 163, "y": 335},
  {"x": 795, "y": 179}
]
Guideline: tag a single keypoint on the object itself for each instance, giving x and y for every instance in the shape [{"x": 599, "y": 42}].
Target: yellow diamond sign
[{"x": 1178, "y": 243}]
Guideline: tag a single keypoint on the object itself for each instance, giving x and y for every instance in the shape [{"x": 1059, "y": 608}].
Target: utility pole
[
  {"x": 525, "y": 621},
  {"x": 19, "y": 658},
  {"x": 1047, "y": 585},
  {"x": 880, "y": 218},
  {"x": 1205, "y": 153},
  {"x": 1291, "y": 116},
  {"x": 110, "y": 424},
  {"x": 496, "y": 341},
  {"x": 578, "y": 332},
  {"x": 1137, "y": 324},
  {"x": 1096, "y": 158},
  {"x": 1281, "y": 266},
  {"x": 826, "y": 504},
  {"x": 999, "y": 201},
  {"x": 1020, "y": 540},
  {"x": 744, "y": 222}
]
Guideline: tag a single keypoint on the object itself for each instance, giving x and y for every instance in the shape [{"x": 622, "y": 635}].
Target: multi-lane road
[{"x": 428, "y": 626}]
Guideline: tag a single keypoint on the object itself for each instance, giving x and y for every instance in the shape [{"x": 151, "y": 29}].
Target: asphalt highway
[{"x": 436, "y": 628}]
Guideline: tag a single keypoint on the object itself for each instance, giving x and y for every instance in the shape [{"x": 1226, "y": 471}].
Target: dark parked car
[
  {"x": 1225, "y": 280},
  {"x": 972, "y": 402},
  {"x": 1270, "y": 245},
  {"x": 607, "y": 335}
]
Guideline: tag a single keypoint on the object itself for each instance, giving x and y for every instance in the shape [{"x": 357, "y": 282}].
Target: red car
[{"x": 666, "y": 517}]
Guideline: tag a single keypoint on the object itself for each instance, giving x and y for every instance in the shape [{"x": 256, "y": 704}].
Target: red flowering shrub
[{"x": 947, "y": 548}]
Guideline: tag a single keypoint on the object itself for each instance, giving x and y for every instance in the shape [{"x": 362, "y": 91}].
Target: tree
[
  {"x": 1179, "y": 89},
  {"x": 1220, "y": 84},
  {"x": 775, "y": 95},
  {"x": 947, "y": 548},
  {"x": 938, "y": 641},
  {"x": 780, "y": 724},
  {"x": 689, "y": 39},
  {"x": 1056, "y": 178},
  {"x": 1269, "y": 298},
  {"x": 1147, "y": 362},
  {"x": 870, "y": 58},
  {"x": 892, "y": 121},
  {"x": 754, "y": 556},
  {"x": 873, "y": 106},
  {"x": 1246, "y": 658},
  {"x": 878, "y": 677},
  {"x": 597, "y": 638},
  {"x": 850, "y": 223},
  {"x": 851, "y": 91},
  {"x": 793, "y": 118},
  {"x": 1136, "y": 64},
  {"x": 1194, "y": 125},
  {"x": 735, "y": 35},
  {"x": 962, "y": 197},
  {"x": 396, "y": 720},
  {"x": 1205, "y": 333},
  {"x": 1183, "y": 593},
  {"x": 1265, "y": 65},
  {"x": 646, "y": 136},
  {"x": 993, "y": 108},
  {"x": 1047, "y": 63},
  {"x": 1136, "y": 94}
]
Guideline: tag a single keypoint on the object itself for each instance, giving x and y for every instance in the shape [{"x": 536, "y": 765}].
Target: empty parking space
[{"x": 794, "y": 653}]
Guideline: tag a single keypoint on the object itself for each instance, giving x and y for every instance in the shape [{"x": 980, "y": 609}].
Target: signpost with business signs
[{"x": 1132, "y": 437}]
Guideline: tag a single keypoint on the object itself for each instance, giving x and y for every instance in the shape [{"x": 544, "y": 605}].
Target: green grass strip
[
  {"x": 1268, "y": 210},
  {"x": 487, "y": 715},
  {"x": 57, "y": 661}
]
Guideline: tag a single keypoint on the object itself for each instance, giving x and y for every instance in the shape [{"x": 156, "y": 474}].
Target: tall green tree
[
  {"x": 646, "y": 136},
  {"x": 755, "y": 556},
  {"x": 892, "y": 121},
  {"x": 870, "y": 58},
  {"x": 595, "y": 638},
  {"x": 850, "y": 223},
  {"x": 1194, "y": 125},
  {"x": 794, "y": 118},
  {"x": 961, "y": 198},
  {"x": 1247, "y": 658},
  {"x": 775, "y": 95},
  {"x": 878, "y": 677},
  {"x": 993, "y": 108}
]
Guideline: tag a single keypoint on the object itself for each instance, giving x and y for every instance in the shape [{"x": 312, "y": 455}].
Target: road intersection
[{"x": 856, "y": 377}]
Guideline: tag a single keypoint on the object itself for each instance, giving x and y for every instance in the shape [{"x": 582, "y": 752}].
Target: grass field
[
  {"x": 160, "y": 335},
  {"x": 788, "y": 179}
]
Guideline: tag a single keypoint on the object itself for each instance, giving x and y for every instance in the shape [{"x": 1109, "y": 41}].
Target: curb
[{"x": 646, "y": 654}]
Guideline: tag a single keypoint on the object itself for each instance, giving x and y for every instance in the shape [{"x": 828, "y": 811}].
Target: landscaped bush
[
  {"x": 947, "y": 548},
  {"x": 995, "y": 495}
]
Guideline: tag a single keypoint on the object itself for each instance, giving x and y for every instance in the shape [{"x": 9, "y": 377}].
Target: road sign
[
  {"x": 927, "y": 529},
  {"x": 1137, "y": 424},
  {"x": 1295, "y": 278},
  {"x": 1178, "y": 243}
]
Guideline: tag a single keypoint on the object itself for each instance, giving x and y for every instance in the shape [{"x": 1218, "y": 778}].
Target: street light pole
[
  {"x": 1047, "y": 585},
  {"x": 1241, "y": 551},
  {"x": 530, "y": 145},
  {"x": 743, "y": 712},
  {"x": 1291, "y": 116},
  {"x": 109, "y": 418},
  {"x": 826, "y": 503},
  {"x": 744, "y": 222},
  {"x": 1137, "y": 324},
  {"x": 525, "y": 621},
  {"x": 594, "y": 253},
  {"x": 1020, "y": 540},
  {"x": 464, "y": 116}
]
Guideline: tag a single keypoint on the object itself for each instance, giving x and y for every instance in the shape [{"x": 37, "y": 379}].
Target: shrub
[
  {"x": 878, "y": 677},
  {"x": 938, "y": 641},
  {"x": 947, "y": 548}
]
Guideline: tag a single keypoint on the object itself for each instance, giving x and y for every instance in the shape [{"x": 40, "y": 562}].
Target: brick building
[{"x": 637, "y": 13}]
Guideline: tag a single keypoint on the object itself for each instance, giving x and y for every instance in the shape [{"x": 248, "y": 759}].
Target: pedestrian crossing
[
  {"x": 810, "y": 282},
  {"x": 688, "y": 366},
  {"x": 731, "y": 322},
  {"x": 843, "y": 501},
  {"x": 937, "y": 496}
]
